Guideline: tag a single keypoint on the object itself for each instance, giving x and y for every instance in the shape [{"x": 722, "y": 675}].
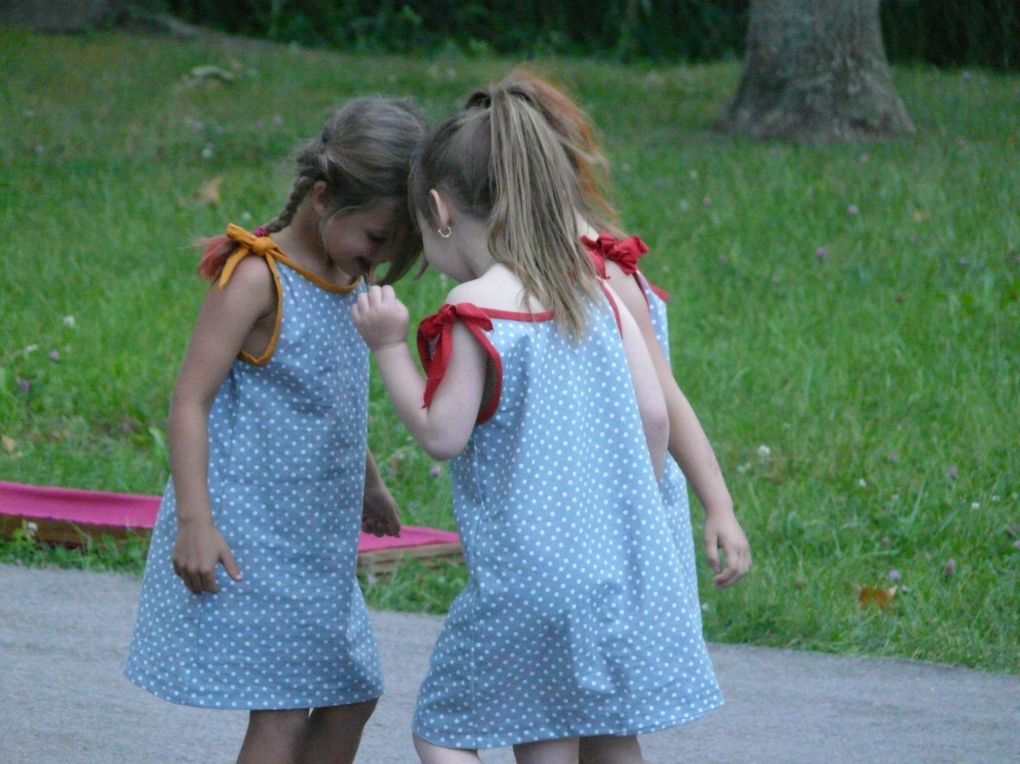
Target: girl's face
[{"x": 356, "y": 241}]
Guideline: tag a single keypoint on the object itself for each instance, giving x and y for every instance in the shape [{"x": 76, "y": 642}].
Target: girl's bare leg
[
  {"x": 273, "y": 737},
  {"x": 430, "y": 753},
  {"x": 547, "y": 752},
  {"x": 609, "y": 749},
  {"x": 333, "y": 733}
]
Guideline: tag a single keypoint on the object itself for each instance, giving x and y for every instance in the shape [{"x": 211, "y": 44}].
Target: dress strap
[
  {"x": 266, "y": 247},
  {"x": 248, "y": 244},
  {"x": 435, "y": 347},
  {"x": 612, "y": 304},
  {"x": 623, "y": 252}
]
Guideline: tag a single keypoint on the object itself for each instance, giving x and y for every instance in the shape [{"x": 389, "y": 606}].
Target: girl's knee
[
  {"x": 430, "y": 753},
  {"x": 351, "y": 714},
  {"x": 562, "y": 751},
  {"x": 610, "y": 749},
  {"x": 284, "y": 723}
]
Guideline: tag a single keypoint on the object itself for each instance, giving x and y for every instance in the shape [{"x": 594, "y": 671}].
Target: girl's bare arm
[
  {"x": 442, "y": 429},
  {"x": 690, "y": 447},
  {"x": 226, "y": 320}
]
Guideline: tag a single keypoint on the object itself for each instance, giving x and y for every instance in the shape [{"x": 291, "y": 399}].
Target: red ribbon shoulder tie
[
  {"x": 623, "y": 252},
  {"x": 435, "y": 340}
]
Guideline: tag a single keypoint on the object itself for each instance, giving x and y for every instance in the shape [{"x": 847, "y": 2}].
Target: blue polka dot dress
[
  {"x": 578, "y": 618},
  {"x": 287, "y": 445},
  {"x": 626, "y": 253}
]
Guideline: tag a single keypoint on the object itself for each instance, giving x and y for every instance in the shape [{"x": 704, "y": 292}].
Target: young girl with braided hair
[
  {"x": 575, "y": 631},
  {"x": 271, "y": 477}
]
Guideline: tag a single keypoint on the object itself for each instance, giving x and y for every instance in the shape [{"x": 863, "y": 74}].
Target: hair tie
[{"x": 479, "y": 98}]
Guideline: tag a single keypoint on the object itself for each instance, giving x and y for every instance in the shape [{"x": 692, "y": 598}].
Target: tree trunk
[{"x": 815, "y": 72}]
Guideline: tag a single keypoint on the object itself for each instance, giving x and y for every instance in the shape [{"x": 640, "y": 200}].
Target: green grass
[{"x": 884, "y": 378}]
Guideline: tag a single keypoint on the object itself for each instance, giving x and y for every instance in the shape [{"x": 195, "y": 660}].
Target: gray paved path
[{"x": 64, "y": 635}]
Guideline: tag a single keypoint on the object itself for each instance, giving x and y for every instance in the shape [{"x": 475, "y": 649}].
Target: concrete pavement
[{"x": 64, "y": 636}]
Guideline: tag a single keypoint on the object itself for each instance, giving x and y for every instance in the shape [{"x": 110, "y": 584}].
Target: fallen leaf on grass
[
  {"x": 200, "y": 75},
  {"x": 871, "y": 595},
  {"x": 209, "y": 192},
  {"x": 9, "y": 443}
]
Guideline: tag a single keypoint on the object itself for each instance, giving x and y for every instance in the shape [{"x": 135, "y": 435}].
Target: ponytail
[
  {"x": 502, "y": 163},
  {"x": 577, "y": 136},
  {"x": 533, "y": 221}
]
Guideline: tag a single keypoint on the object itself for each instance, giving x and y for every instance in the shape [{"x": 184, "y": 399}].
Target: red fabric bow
[
  {"x": 435, "y": 340},
  {"x": 623, "y": 252}
]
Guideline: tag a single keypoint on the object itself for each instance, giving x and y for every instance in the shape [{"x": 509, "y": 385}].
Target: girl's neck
[
  {"x": 300, "y": 240},
  {"x": 471, "y": 245}
]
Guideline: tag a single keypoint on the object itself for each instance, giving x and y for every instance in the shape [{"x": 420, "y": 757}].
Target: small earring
[{"x": 446, "y": 233}]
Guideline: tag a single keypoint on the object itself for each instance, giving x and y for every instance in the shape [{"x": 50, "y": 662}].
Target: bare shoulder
[
  {"x": 614, "y": 272},
  {"x": 498, "y": 289},
  {"x": 626, "y": 287},
  {"x": 252, "y": 282},
  {"x": 468, "y": 291}
]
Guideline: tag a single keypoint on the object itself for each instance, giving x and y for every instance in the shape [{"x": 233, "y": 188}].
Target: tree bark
[{"x": 815, "y": 72}]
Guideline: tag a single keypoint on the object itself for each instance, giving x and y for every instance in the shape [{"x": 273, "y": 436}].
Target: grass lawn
[{"x": 845, "y": 320}]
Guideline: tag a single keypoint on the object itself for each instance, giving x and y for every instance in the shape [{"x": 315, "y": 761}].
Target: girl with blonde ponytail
[
  {"x": 617, "y": 257},
  {"x": 571, "y": 631},
  {"x": 250, "y": 599}
]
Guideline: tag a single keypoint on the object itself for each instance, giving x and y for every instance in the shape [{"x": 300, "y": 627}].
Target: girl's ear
[
  {"x": 440, "y": 209},
  {"x": 319, "y": 196}
]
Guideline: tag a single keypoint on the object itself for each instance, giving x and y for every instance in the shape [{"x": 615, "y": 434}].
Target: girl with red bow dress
[
  {"x": 617, "y": 259},
  {"x": 576, "y": 631}
]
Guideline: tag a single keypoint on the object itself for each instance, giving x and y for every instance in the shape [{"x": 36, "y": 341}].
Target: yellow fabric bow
[{"x": 263, "y": 246}]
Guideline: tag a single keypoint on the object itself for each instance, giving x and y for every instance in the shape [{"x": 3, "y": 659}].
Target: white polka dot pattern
[
  {"x": 286, "y": 476},
  {"x": 579, "y": 617}
]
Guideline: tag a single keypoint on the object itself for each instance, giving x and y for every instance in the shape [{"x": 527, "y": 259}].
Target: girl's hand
[
  {"x": 199, "y": 548},
  {"x": 722, "y": 531},
  {"x": 380, "y": 318},
  {"x": 380, "y": 514}
]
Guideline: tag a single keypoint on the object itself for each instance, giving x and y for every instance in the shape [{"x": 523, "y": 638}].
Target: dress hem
[
  {"x": 593, "y": 731},
  {"x": 317, "y": 701}
]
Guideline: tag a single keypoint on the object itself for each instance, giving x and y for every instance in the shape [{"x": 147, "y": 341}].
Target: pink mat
[{"x": 137, "y": 512}]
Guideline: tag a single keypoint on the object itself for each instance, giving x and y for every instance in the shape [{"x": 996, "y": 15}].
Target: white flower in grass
[
  {"x": 69, "y": 322},
  {"x": 862, "y": 483},
  {"x": 764, "y": 452}
]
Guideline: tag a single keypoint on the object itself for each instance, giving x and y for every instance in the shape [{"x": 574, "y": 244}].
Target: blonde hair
[
  {"x": 363, "y": 155},
  {"x": 577, "y": 136},
  {"x": 501, "y": 162}
]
